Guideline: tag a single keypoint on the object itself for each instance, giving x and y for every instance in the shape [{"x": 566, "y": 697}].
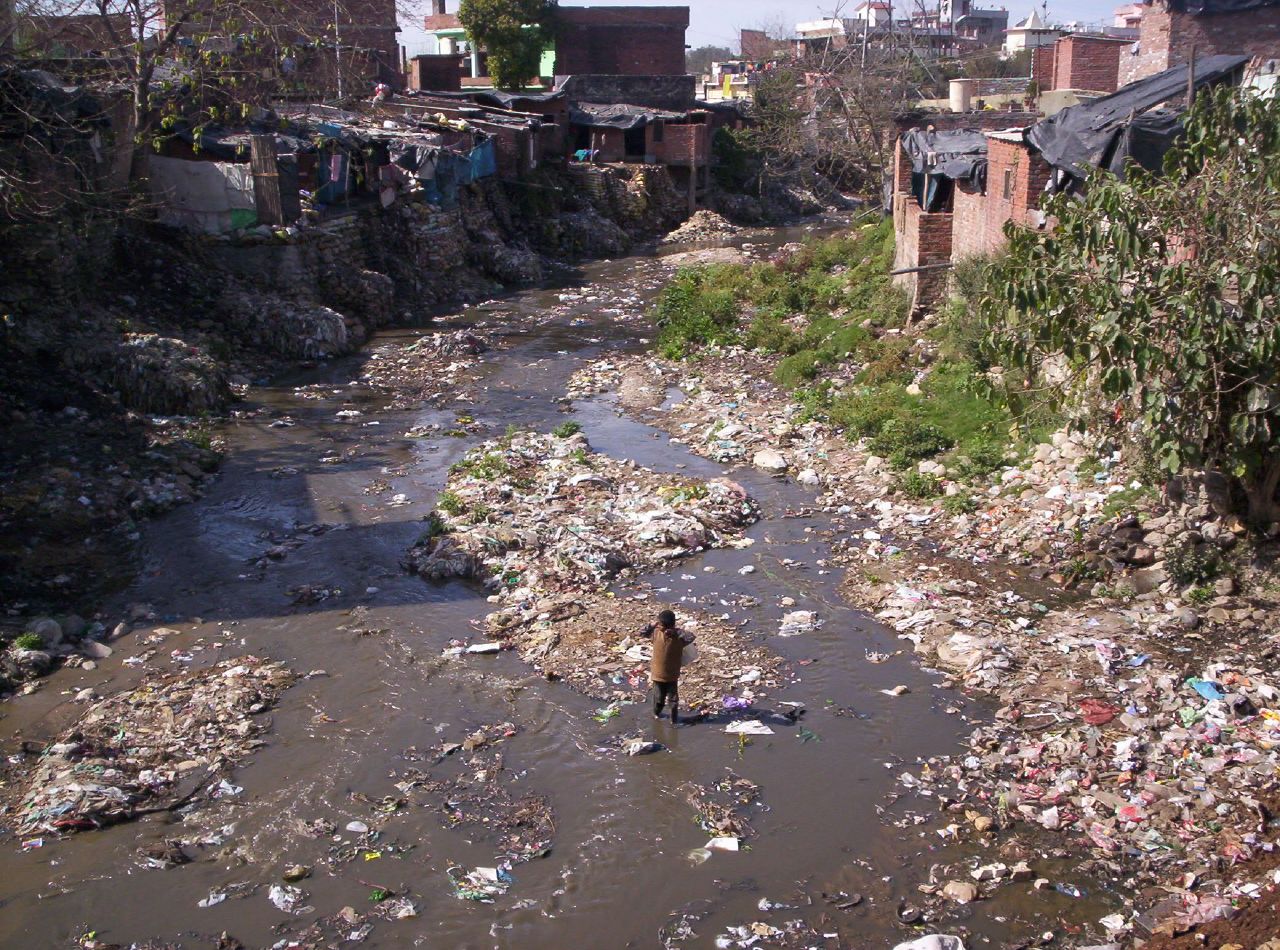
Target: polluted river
[{"x": 369, "y": 774}]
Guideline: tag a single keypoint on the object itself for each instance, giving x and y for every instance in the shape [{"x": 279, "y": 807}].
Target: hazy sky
[{"x": 716, "y": 22}]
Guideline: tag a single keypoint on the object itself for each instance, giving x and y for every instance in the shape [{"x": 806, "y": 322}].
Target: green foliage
[
  {"x": 480, "y": 513},
  {"x": 1162, "y": 290},
  {"x": 515, "y": 32},
  {"x": 450, "y": 503},
  {"x": 699, "y": 307},
  {"x": 1192, "y": 563},
  {"x": 961, "y": 503},
  {"x": 434, "y": 526},
  {"x": 698, "y": 61},
  {"x": 29, "y": 641},
  {"x": 905, "y": 440},
  {"x": 1126, "y": 500},
  {"x": 1200, "y": 595},
  {"x": 566, "y": 429},
  {"x": 733, "y": 161},
  {"x": 916, "y": 485},
  {"x": 486, "y": 467}
]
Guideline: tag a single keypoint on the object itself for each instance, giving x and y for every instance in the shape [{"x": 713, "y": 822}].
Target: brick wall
[
  {"x": 678, "y": 141},
  {"x": 439, "y": 73},
  {"x": 1165, "y": 38},
  {"x": 633, "y": 41},
  {"x": 1042, "y": 58},
  {"x": 1016, "y": 176},
  {"x": 1088, "y": 62},
  {"x": 969, "y": 222},
  {"x": 921, "y": 238}
]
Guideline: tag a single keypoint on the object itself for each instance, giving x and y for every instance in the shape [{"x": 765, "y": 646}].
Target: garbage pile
[
  {"x": 723, "y": 810},
  {"x": 163, "y": 375},
  {"x": 427, "y": 371},
  {"x": 536, "y": 514},
  {"x": 702, "y": 225},
  {"x": 593, "y": 643},
  {"x": 169, "y": 742}
]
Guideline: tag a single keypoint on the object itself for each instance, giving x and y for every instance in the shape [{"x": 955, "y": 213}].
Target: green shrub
[
  {"x": 566, "y": 429},
  {"x": 1192, "y": 563},
  {"x": 906, "y": 441},
  {"x": 434, "y": 526},
  {"x": 699, "y": 307},
  {"x": 1201, "y": 595},
  {"x": 1125, "y": 501},
  {"x": 486, "y": 467},
  {"x": 450, "y": 503},
  {"x": 29, "y": 641},
  {"x": 961, "y": 503},
  {"x": 768, "y": 331},
  {"x": 915, "y": 484}
]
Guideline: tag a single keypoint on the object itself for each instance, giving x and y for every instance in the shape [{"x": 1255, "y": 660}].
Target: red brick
[
  {"x": 629, "y": 41},
  {"x": 1165, "y": 38},
  {"x": 1087, "y": 62}
]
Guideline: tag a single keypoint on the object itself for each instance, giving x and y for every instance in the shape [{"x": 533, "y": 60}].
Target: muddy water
[{"x": 618, "y": 872}]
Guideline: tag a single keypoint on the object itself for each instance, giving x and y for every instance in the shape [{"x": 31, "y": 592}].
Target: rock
[
  {"x": 1224, "y": 586},
  {"x": 1144, "y": 582},
  {"x": 962, "y": 892},
  {"x": 73, "y": 627},
  {"x": 1188, "y": 618},
  {"x": 1140, "y": 555},
  {"x": 1216, "y": 615},
  {"x": 873, "y": 464},
  {"x": 770, "y": 461},
  {"x": 32, "y": 663},
  {"x": 48, "y": 630},
  {"x": 1021, "y": 872},
  {"x": 96, "y": 650},
  {"x": 808, "y": 477}
]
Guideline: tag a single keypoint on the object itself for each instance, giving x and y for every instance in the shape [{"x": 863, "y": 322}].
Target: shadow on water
[{"x": 618, "y": 872}]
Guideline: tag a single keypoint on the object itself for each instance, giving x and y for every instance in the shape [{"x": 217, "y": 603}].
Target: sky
[{"x": 716, "y": 22}]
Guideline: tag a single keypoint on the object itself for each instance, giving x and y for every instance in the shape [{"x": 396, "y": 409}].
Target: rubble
[
  {"x": 702, "y": 225},
  {"x": 164, "y": 744}
]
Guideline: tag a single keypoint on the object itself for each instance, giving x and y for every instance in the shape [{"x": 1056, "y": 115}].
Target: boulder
[{"x": 770, "y": 461}]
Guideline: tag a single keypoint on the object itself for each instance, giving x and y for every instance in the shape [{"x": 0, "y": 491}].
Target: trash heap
[
  {"x": 731, "y": 412},
  {"x": 427, "y": 371},
  {"x": 702, "y": 225},
  {"x": 592, "y": 642},
  {"x": 723, "y": 811},
  {"x": 1155, "y": 753},
  {"x": 162, "y": 744},
  {"x": 537, "y": 514}
]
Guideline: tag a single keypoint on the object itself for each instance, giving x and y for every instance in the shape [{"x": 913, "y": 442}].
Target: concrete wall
[
  {"x": 1165, "y": 38},
  {"x": 673, "y": 92},
  {"x": 634, "y": 41}
]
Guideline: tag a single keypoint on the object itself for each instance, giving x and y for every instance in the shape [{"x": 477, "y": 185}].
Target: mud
[{"x": 293, "y": 556}]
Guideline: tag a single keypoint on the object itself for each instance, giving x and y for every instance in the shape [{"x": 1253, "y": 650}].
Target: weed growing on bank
[{"x": 831, "y": 304}]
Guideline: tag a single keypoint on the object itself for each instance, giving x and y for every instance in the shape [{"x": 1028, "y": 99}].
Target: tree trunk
[{"x": 1263, "y": 507}]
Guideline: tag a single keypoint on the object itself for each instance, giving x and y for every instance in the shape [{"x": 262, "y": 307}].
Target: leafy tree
[
  {"x": 514, "y": 32},
  {"x": 1161, "y": 294},
  {"x": 698, "y": 61}
]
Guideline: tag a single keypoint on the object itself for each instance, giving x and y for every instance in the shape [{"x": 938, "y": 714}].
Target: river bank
[{"x": 1128, "y": 636}]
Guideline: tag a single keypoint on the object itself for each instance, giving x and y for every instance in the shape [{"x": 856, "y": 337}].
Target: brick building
[
  {"x": 1016, "y": 178},
  {"x": 1080, "y": 61},
  {"x": 928, "y": 238},
  {"x": 629, "y": 41},
  {"x": 72, "y": 35},
  {"x": 441, "y": 72},
  {"x": 1169, "y": 29}
]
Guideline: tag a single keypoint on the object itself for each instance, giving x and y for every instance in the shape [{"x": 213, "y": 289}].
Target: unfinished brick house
[
  {"x": 1170, "y": 29},
  {"x": 957, "y": 182}
]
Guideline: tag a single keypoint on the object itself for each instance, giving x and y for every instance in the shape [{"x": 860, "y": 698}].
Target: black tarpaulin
[
  {"x": 1094, "y": 134},
  {"x": 1210, "y": 7},
  {"x": 956, "y": 151},
  {"x": 622, "y": 117}
]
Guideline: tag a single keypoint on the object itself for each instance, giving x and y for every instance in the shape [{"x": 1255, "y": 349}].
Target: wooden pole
[
  {"x": 266, "y": 180},
  {"x": 1191, "y": 77}
]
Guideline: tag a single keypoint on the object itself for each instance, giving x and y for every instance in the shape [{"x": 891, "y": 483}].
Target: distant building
[
  {"x": 758, "y": 46},
  {"x": 1031, "y": 33},
  {"x": 986, "y": 27},
  {"x": 873, "y": 14},
  {"x": 74, "y": 35},
  {"x": 1129, "y": 16}
]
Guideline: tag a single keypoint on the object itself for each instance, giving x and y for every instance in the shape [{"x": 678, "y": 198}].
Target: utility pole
[{"x": 337, "y": 47}]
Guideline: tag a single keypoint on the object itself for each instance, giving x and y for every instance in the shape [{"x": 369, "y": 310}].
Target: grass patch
[
  {"x": 487, "y": 467},
  {"x": 918, "y": 485},
  {"x": 566, "y": 429},
  {"x": 450, "y": 503},
  {"x": 29, "y": 641}
]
